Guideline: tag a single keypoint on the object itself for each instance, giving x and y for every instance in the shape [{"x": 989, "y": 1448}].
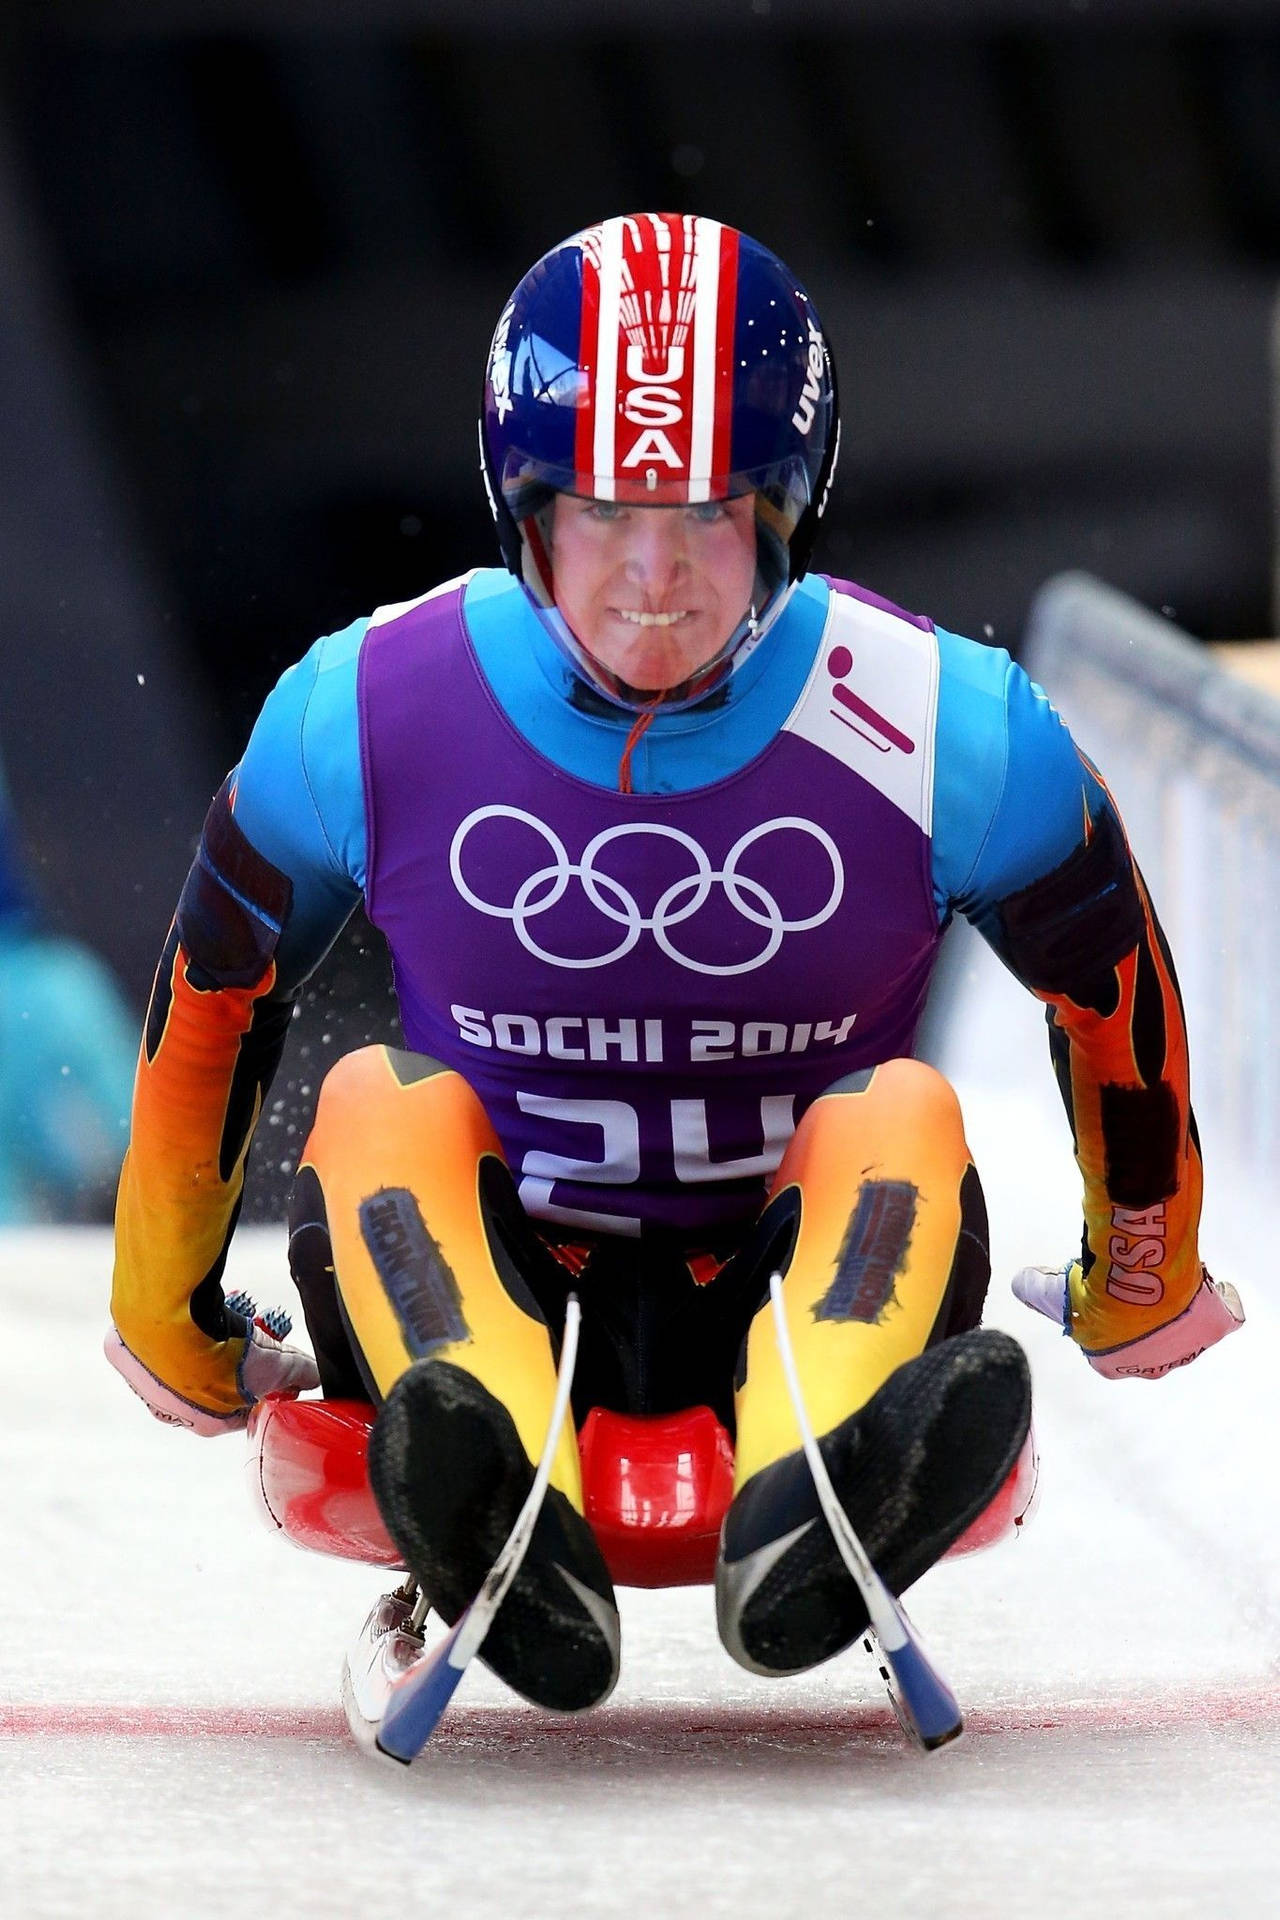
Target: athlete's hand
[
  {"x": 1214, "y": 1312},
  {"x": 266, "y": 1365}
]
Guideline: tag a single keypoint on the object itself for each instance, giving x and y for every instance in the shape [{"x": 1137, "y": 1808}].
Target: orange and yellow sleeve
[
  {"x": 214, "y": 1034},
  {"x": 1085, "y": 939}
]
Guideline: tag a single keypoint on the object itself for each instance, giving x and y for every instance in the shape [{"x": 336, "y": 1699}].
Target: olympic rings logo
[{"x": 547, "y": 885}]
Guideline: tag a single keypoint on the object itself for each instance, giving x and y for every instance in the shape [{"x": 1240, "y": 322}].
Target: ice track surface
[{"x": 174, "y": 1745}]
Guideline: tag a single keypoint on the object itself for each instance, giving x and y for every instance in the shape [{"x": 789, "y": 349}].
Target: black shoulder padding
[
  {"x": 233, "y": 906},
  {"x": 1067, "y": 931}
]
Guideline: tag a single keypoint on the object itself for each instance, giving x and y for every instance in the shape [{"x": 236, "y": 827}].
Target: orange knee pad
[
  {"x": 879, "y": 1178},
  {"x": 408, "y": 1164}
]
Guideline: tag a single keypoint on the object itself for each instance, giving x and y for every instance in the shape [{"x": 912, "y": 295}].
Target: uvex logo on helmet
[{"x": 803, "y": 417}]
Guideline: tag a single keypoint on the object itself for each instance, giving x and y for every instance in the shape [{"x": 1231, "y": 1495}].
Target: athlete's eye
[
  {"x": 606, "y": 510},
  {"x": 707, "y": 512}
]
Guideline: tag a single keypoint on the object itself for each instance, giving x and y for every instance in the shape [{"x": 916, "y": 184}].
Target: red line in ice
[
  {"x": 1252, "y": 1702},
  {"x": 183, "y": 1723}
]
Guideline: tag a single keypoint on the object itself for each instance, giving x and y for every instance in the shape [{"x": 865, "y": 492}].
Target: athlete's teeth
[{"x": 651, "y": 619}]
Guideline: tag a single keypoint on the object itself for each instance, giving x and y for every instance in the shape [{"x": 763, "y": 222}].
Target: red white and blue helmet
[{"x": 660, "y": 359}]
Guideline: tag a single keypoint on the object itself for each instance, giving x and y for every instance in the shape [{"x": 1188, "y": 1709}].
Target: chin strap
[
  {"x": 639, "y": 727},
  {"x": 705, "y": 681}
]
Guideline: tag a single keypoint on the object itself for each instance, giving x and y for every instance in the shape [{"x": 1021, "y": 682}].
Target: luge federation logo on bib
[{"x": 782, "y": 877}]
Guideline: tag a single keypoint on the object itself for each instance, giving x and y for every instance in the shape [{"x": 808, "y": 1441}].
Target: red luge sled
[
  {"x": 655, "y": 1488},
  {"x": 308, "y": 1468},
  {"x": 655, "y": 1491}
]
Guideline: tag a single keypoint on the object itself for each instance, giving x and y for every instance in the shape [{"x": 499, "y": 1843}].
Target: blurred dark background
[{"x": 251, "y": 256}]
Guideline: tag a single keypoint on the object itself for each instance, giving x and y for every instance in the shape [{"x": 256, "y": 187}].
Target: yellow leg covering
[
  {"x": 392, "y": 1131},
  {"x": 878, "y": 1173}
]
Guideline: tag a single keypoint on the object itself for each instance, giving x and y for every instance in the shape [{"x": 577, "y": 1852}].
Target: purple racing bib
[{"x": 646, "y": 991}]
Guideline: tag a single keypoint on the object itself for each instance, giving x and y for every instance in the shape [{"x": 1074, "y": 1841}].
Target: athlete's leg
[
  {"x": 662, "y": 1325},
  {"x": 877, "y": 1222},
  {"x": 342, "y": 1374},
  {"x": 432, "y": 1259}
]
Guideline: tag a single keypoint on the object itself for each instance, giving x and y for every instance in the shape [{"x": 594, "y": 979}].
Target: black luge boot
[
  {"x": 450, "y": 1475},
  {"x": 912, "y": 1468}
]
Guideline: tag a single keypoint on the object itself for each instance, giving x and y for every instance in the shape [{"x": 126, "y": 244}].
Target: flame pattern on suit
[
  {"x": 1086, "y": 941},
  {"x": 212, "y": 1042}
]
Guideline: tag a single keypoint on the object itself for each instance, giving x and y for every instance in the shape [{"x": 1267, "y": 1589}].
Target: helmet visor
[{"x": 781, "y": 492}]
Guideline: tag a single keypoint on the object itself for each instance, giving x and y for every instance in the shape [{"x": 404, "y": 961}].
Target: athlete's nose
[{"x": 655, "y": 549}]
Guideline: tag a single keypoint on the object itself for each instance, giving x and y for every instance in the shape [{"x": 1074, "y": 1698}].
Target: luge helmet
[{"x": 660, "y": 359}]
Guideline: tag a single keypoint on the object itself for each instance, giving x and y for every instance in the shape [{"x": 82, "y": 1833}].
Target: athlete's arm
[
  {"x": 276, "y": 876},
  {"x": 1054, "y": 888}
]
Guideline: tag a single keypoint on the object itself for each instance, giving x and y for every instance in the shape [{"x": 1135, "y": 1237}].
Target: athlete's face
[{"x": 653, "y": 593}]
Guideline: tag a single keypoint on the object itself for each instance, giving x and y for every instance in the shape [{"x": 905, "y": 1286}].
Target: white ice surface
[{"x": 171, "y": 1741}]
